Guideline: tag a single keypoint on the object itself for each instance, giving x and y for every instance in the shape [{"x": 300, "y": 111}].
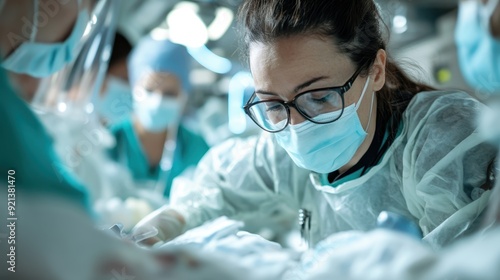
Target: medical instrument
[{"x": 305, "y": 227}]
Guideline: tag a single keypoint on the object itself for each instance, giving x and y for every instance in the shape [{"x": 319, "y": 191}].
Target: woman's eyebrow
[
  {"x": 265, "y": 92},
  {"x": 308, "y": 83},
  {"x": 297, "y": 88}
]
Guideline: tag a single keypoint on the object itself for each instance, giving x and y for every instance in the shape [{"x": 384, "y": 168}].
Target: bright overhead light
[
  {"x": 159, "y": 34},
  {"x": 186, "y": 27},
  {"x": 61, "y": 107},
  {"x": 221, "y": 23},
  {"x": 400, "y": 24}
]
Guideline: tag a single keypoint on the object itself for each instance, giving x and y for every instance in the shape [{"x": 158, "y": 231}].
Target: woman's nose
[{"x": 296, "y": 117}]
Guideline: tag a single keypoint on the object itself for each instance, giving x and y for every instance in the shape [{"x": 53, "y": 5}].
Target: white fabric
[
  {"x": 56, "y": 240},
  {"x": 489, "y": 122},
  {"x": 431, "y": 174},
  {"x": 388, "y": 255},
  {"x": 224, "y": 252},
  {"x": 205, "y": 234}
]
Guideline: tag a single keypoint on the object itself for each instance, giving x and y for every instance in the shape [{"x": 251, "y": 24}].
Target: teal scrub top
[
  {"x": 190, "y": 148},
  {"x": 27, "y": 149}
]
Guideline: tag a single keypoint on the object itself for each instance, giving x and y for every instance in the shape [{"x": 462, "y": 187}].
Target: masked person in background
[
  {"x": 154, "y": 143},
  {"x": 477, "y": 37},
  {"x": 37, "y": 51},
  {"x": 54, "y": 234},
  {"x": 350, "y": 135},
  {"x": 115, "y": 101}
]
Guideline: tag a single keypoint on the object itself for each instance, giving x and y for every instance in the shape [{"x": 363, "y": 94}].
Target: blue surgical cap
[{"x": 159, "y": 56}]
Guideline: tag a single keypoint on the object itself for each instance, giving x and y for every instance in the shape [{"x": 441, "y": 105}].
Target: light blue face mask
[
  {"x": 478, "y": 51},
  {"x": 116, "y": 104},
  {"x": 156, "y": 113},
  {"x": 42, "y": 59},
  {"x": 324, "y": 148}
]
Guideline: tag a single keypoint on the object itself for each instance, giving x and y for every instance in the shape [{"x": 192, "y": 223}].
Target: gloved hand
[
  {"x": 397, "y": 222},
  {"x": 168, "y": 222}
]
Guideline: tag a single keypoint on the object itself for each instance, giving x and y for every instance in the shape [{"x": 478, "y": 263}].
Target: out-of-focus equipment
[
  {"x": 305, "y": 227},
  {"x": 63, "y": 104},
  {"x": 69, "y": 90}
]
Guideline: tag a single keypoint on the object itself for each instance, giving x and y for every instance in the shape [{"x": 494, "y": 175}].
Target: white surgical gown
[{"x": 432, "y": 174}]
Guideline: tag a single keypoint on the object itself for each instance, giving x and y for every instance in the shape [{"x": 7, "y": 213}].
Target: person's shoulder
[
  {"x": 192, "y": 141},
  {"x": 445, "y": 114},
  {"x": 444, "y": 104},
  {"x": 428, "y": 100},
  {"x": 188, "y": 132}
]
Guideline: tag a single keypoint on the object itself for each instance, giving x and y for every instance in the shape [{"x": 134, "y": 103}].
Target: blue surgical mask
[
  {"x": 156, "y": 113},
  {"x": 116, "y": 103},
  {"x": 478, "y": 51},
  {"x": 42, "y": 59},
  {"x": 324, "y": 148}
]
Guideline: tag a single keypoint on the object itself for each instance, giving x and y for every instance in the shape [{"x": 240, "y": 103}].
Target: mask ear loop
[
  {"x": 36, "y": 8},
  {"x": 371, "y": 111},
  {"x": 371, "y": 106}
]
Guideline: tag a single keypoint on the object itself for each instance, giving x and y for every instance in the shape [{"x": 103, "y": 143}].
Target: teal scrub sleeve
[
  {"x": 128, "y": 150},
  {"x": 191, "y": 147},
  {"x": 27, "y": 149}
]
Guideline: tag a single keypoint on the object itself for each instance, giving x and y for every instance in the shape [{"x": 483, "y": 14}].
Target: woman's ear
[{"x": 378, "y": 70}]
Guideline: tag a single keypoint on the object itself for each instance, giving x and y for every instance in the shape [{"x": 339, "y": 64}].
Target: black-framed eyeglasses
[{"x": 320, "y": 106}]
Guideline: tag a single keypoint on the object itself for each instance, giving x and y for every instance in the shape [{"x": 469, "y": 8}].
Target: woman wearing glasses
[{"x": 349, "y": 135}]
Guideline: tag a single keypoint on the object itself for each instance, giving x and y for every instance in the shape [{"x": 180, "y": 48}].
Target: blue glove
[{"x": 399, "y": 223}]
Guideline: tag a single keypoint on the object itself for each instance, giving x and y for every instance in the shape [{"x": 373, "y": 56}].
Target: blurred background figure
[
  {"x": 32, "y": 51},
  {"x": 114, "y": 103},
  {"x": 49, "y": 206},
  {"x": 154, "y": 143},
  {"x": 477, "y": 36},
  {"x": 478, "y": 41}
]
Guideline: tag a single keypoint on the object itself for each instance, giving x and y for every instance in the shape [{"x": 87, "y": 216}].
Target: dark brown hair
[{"x": 355, "y": 26}]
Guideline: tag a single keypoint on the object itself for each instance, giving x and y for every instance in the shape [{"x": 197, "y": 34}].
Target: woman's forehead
[{"x": 298, "y": 58}]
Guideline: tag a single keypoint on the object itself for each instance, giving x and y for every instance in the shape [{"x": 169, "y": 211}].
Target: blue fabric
[
  {"x": 190, "y": 148},
  {"x": 43, "y": 59},
  {"x": 478, "y": 50},
  {"x": 159, "y": 56},
  {"x": 26, "y": 148}
]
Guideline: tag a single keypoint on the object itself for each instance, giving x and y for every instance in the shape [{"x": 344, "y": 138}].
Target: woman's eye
[
  {"x": 324, "y": 98},
  {"x": 274, "y": 108}
]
